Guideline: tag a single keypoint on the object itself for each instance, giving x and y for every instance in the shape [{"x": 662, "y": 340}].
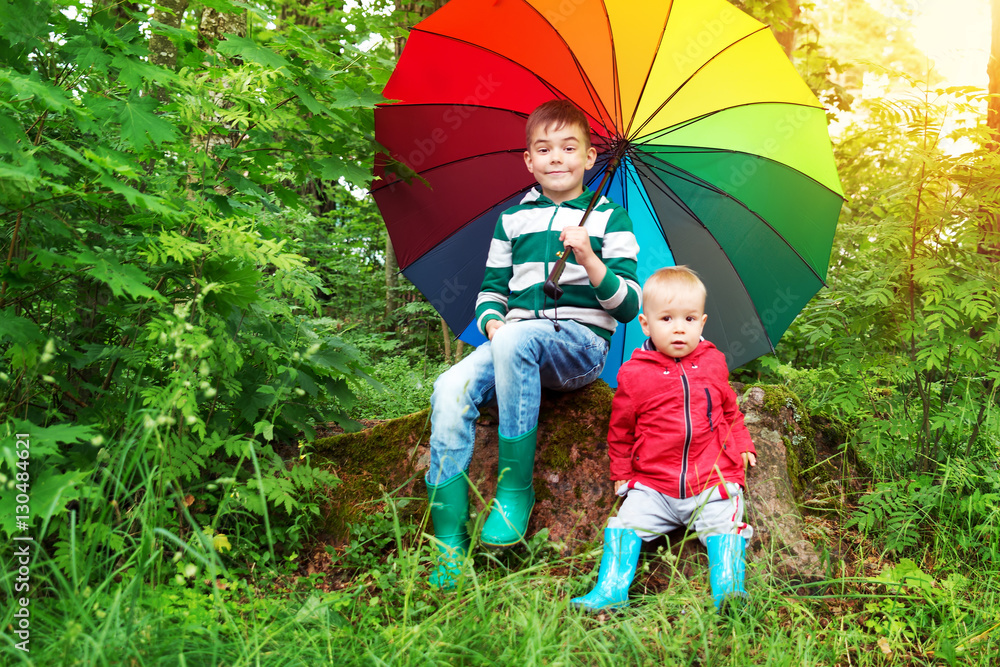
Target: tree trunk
[
  {"x": 785, "y": 33},
  {"x": 212, "y": 26},
  {"x": 993, "y": 70},
  {"x": 391, "y": 278},
  {"x": 446, "y": 334},
  {"x": 990, "y": 244},
  {"x": 162, "y": 50}
]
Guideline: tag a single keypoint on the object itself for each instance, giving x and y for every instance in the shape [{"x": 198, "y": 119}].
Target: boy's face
[
  {"x": 558, "y": 158},
  {"x": 674, "y": 320}
]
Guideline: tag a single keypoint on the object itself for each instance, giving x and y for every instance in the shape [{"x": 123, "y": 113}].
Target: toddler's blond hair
[{"x": 673, "y": 278}]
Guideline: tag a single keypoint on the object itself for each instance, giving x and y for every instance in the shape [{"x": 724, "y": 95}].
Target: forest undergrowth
[
  {"x": 366, "y": 601},
  {"x": 194, "y": 284}
]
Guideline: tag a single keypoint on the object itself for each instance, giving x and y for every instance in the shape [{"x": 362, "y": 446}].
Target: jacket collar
[
  {"x": 649, "y": 352},
  {"x": 534, "y": 197}
]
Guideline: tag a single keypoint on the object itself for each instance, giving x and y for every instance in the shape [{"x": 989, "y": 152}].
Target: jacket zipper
[
  {"x": 688, "y": 430},
  {"x": 711, "y": 427}
]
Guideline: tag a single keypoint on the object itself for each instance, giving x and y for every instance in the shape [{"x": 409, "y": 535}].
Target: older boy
[
  {"x": 677, "y": 443},
  {"x": 534, "y": 342}
]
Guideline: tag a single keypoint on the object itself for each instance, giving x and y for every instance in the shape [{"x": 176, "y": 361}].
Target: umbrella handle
[{"x": 551, "y": 286}]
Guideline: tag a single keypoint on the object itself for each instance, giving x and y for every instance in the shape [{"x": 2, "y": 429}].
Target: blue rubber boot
[
  {"x": 515, "y": 497},
  {"x": 727, "y": 569},
  {"x": 449, "y": 504},
  {"x": 621, "y": 555}
]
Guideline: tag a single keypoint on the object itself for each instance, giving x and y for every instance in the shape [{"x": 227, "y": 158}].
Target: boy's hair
[
  {"x": 558, "y": 113},
  {"x": 673, "y": 277}
]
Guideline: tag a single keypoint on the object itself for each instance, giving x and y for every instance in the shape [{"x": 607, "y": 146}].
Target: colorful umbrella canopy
[{"x": 725, "y": 161}]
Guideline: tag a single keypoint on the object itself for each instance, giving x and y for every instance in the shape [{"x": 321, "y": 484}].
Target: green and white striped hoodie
[{"x": 526, "y": 244}]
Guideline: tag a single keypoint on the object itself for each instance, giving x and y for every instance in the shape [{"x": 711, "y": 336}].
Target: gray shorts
[{"x": 712, "y": 512}]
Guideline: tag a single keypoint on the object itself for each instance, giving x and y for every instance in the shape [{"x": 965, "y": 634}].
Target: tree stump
[{"x": 574, "y": 493}]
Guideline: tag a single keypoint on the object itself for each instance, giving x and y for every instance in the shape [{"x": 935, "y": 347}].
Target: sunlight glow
[{"x": 955, "y": 34}]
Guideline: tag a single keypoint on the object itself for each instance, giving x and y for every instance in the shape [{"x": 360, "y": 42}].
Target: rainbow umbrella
[{"x": 722, "y": 155}]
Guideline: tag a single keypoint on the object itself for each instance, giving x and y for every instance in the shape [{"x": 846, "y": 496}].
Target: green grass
[{"x": 373, "y": 607}]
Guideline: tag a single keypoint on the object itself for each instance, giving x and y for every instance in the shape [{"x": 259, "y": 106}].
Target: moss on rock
[
  {"x": 556, "y": 455},
  {"x": 794, "y": 466},
  {"x": 778, "y": 397},
  {"x": 368, "y": 462},
  {"x": 834, "y": 429},
  {"x": 542, "y": 492},
  {"x": 565, "y": 429},
  {"x": 791, "y": 416},
  {"x": 376, "y": 449},
  {"x": 837, "y": 434}
]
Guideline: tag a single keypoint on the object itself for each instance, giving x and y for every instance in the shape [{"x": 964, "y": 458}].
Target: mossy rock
[
  {"x": 844, "y": 473},
  {"x": 372, "y": 463},
  {"x": 574, "y": 493},
  {"x": 784, "y": 412}
]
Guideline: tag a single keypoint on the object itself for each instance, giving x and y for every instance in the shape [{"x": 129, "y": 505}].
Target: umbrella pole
[{"x": 551, "y": 286}]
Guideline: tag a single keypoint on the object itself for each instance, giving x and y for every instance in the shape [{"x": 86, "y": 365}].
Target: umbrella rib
[
  {"x": 694, "y": 180},
  {"x": 591, "y": 88},
  {"x": 649, "y": 73},
  {"x": 662, "y": 187},
  {"x": 696, "y": 150},
  {"x": 693, "y": 74},
  {"x": 649, "y": 139},
  {"x": 614, "y": 68},
  {"x": 697, "y": 119},
  {"x": 632, "y": 175},
  {"x": 670, "y": 194},
  {"x": 552, "y": 87}
]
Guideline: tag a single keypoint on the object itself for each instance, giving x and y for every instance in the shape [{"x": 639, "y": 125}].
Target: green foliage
[
  {"x": 896, "y": 511},
  {"x": 44, "y": 470},
  {"x": 374, "y": 605},
  {"x": 958, "y": 505},
  {"x": 798, "y": 30},
  {"x": 150, "y": 296},
  {"x": 868, "y": 39},
  {"x": 191, "y": 280},
  {"x": 915, "y": 601},
  {"x": 401, "y": 389},
  {"x": 345, "y": 247},
  {"x": 906, "y": 342}
]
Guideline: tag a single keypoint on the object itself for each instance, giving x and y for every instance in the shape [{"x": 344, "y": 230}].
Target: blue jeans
[{"x": 511, "y": 370}]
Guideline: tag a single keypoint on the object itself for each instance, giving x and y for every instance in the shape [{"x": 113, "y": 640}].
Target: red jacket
[{"x": 675, "y": 424}]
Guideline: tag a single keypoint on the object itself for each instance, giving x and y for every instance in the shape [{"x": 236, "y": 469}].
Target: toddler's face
[{"x": 674, "y": 320}]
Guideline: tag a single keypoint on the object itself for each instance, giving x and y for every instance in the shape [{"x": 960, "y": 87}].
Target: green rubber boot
[
  {"x": 449, "y": 504},
  {"x": 515, "y": 498}
]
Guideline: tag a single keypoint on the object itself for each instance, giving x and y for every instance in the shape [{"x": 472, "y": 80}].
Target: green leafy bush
[
  {"x": 905, "y": 342},
  {"x": 154, "y": 317},
  {"x": 401, "y": 389}
]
